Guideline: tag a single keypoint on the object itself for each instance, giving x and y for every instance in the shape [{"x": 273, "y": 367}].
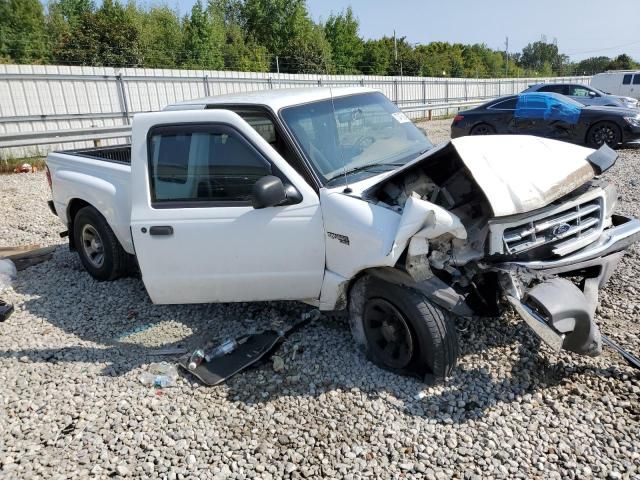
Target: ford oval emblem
[{"x": 560, "y": 229}]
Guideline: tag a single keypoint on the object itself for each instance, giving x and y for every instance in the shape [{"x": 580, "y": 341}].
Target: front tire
[
  {"x": 604, "y": 132},
  {"x": 98, "y": 248},
  {"x": 400, "y": 330}
]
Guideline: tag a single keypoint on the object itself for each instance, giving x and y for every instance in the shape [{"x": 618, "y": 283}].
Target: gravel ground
[{"x": 71, "y": 404}]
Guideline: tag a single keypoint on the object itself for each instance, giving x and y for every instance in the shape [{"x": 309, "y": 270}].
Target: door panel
[
  {"x": 230, "y": 254},
  {"x": 214, "y": 246}
]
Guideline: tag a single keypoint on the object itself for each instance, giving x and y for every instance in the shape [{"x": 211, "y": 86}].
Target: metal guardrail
[
  {"x": 50, "y": 137},
  {"x": 113, "y": 96},
  {"x": 28, "y": 139}
]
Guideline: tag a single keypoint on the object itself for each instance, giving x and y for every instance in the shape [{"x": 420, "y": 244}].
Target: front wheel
[
  {"x": 98, "y": 248},
  {"x": 401, "y": 330},
  {"x": 604, "y": 132}
]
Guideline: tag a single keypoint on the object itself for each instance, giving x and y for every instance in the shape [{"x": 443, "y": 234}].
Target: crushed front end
[
  {"x": 552, "y": 264},
  {"x": 488, "y": 222}
]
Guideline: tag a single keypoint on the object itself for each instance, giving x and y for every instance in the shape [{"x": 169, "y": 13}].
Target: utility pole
[
  {"x": 506, "y": 51},
  {"x": 277, "y": 64},
  {"x": 395, "y": 46}
]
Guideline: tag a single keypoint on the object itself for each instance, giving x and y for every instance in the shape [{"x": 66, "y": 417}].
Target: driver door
[{"x": 196, "y": 235}]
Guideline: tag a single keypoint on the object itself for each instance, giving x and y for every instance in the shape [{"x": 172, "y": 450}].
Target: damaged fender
[{"x": 422, "y": 221}]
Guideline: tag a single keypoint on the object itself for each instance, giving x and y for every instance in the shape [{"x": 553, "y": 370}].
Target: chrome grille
[{"x": 561, "y": 230}]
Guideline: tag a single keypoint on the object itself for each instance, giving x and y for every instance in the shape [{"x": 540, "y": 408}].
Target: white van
[{"x": 619, "y": 82}]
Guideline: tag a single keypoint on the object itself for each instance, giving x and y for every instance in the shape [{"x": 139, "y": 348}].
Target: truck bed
[
  {"x": 114, "y": 153},
  {"x": 100, "y": 177}
]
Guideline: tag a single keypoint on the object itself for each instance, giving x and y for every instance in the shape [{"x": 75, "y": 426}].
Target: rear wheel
[
  {"x": 98, "y": 248},
  {"x": 604, "y": 132},
  {"x": 401, "y": 330},
  {"x": 483, "y": 129}
]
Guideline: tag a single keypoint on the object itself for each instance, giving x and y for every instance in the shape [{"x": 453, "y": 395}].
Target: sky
[{"x": 583, "y": 28}]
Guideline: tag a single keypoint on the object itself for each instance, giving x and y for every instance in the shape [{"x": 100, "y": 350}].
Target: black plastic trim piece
[{"x": 603, "y": 159}]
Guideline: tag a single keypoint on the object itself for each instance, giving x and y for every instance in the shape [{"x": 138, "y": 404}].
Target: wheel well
[
  {"x": 73, "y": 208},
  {"x": 482, "y": 122},
  {"x": 615, "y": 125}
]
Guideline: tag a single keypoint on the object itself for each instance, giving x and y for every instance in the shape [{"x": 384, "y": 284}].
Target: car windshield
[{"x": 360, "y": 134}]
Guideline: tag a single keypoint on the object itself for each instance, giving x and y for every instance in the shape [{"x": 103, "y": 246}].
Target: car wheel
[
  {"x": 400, "y": 330},
  {"x": 483, "y": 129},
  {"x": 604, "y": 132},
  {"x": 98, "y": 248}
]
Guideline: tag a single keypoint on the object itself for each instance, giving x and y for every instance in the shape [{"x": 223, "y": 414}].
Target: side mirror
[
  {"x": 593, "y": 94},
  {"x": 268, "y": 192}
]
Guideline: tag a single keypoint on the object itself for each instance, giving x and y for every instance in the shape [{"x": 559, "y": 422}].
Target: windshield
[{"x": 366, "y": 135}]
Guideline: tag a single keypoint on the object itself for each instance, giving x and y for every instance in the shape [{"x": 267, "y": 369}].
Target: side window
[
  {"x": 626, "y": 80},
  {"x": 505, "y": 105},
  {"x": 561, "y": 89},
  {"x": 578, "y": 91},
  {"x": 202, "y": 163},
  {"x": 636, "y": 79}
]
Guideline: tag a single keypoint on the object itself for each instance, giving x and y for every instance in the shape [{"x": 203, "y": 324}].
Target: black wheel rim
[
  {"x": 482, "y": 130},
  {"x": 604, "y": 134},
  {"x": 388, "y": 333}
]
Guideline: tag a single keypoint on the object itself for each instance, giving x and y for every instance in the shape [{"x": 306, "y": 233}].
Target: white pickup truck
[{"x": 334, "y": 198}]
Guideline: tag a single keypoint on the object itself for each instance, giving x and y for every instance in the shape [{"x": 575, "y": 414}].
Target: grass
[{"x": 7, "y": 165}]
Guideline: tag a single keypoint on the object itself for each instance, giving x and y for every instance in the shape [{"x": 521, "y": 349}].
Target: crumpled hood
[{"x": 521, "y": 173}]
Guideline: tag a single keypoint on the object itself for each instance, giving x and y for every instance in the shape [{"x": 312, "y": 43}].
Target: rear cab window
[{"x": 636, "y": 79}]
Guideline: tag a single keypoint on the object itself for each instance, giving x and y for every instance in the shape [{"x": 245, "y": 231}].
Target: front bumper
[
  {"x": 630, "y": 133},
  {"x": 558, "y": 311}
]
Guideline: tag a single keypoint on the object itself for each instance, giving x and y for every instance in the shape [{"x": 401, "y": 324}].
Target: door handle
[{"x": 161, "y": 230}]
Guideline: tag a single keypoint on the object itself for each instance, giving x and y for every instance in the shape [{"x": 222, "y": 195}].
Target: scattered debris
[
  {"x": 7, "y": 274},
  {"x": 221, "y": 350},
  {"x": 420, "y": 395},
  {"x": 160, "y": 375},
  {"x": 27, "y": 256},
  {"x": 278, "y": 364},
  {"x": 6, "y": 309},
  {"x": 25, "y": 168},
  {"x": 233, "y": 356}
]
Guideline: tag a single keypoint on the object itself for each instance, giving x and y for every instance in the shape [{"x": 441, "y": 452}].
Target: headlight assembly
[{"x": 633, "y": 121}]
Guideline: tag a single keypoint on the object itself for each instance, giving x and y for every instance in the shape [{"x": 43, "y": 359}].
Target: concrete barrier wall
[{"x": 39, "y": 98}]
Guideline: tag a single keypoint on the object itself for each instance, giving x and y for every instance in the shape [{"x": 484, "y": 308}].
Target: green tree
[
  {"x": 543, "y": 58},
  {"x": 106, "y": 37},
  {"x": 161, "y": 37},
  {"x": 204, "y": 38},
  {"x": 63, "y": 18},
  {"x": 346, "y": 45},
  {"x": 622, "y": 62},
  {"x": 240, "y": 51},
  {"x": 376, "y": 58},
  {"x": 285, "y": 28},
  {"x": 590, "y": 66},
  {"x": 22, "y": 32}
]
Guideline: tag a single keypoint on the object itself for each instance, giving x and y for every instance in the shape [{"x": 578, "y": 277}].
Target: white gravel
[{"x": 71, "y": 405}]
